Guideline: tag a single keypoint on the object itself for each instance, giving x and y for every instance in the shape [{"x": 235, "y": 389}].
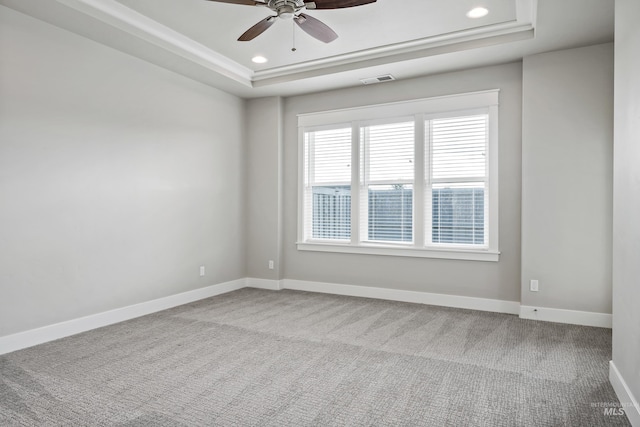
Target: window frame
[
  {"x": 308, "y": 183},
  {"x": 421, "y": 109}
]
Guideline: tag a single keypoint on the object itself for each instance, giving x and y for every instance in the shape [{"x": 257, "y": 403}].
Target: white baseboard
[
  {"x": 273, "y": 285},
  {"x": 573, "y": 317},
  {"x": 44, "y": 334},
  {"x": 483, "y": 304},
  {"x": 625, "y": 396}
]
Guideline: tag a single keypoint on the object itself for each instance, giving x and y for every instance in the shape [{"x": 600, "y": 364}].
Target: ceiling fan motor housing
[
  {"x": 285, "y": 8},
  {"x": 292, "y": 9}
]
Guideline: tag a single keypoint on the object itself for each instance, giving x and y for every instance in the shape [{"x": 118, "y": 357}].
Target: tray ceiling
[{"x": 197, "y": 38}]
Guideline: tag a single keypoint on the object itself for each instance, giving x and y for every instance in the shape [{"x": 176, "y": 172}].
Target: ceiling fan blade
[
  {"x": 245, "y": 2},
  {"x": 257, "y": 29},
  {"x": 336, "y": 4},
  {"x": 315, "y": 28}
]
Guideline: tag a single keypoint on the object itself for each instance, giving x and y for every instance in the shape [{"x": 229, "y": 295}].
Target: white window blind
[
  {"x": 459, "y": 147},
  {"x": 328, "y": 184},
  {"x": 387, "y": 171},
  {"x": 458, "y": 177}
]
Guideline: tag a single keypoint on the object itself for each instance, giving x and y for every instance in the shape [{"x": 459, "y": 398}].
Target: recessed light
[
  {"x": 259, "y": 59},
  {"x": 477, "y": 12}
]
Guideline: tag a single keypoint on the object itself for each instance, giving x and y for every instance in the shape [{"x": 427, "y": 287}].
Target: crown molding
[
  {"x": 132, "y": 22},
  {"x": 144, "y": 28},
  {"x": 429, "y": 46}
]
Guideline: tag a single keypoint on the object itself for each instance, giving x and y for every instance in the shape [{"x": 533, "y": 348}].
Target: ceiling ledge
[
  {"x": 132, "y": 22},
  {"x": 430, "y": 46},
  {"x": 135, "y": 24}
]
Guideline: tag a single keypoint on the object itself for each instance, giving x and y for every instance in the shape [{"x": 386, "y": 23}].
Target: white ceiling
[
  {"x": 197, "y": 38},
  {"x": 218, "y": 25}
]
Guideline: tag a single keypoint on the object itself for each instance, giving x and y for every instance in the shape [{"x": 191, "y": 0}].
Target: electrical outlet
[
  {"x": 533, "y": 286},
  {"x": 201, "y": 270},
  {"x": 270, "y": 264}
]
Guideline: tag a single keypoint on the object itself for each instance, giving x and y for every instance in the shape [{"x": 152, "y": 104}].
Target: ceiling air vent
[{"x": 379, "y": 79}]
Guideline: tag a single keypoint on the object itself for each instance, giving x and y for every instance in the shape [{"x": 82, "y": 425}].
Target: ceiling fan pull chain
[{"x": 293, "y": 26}]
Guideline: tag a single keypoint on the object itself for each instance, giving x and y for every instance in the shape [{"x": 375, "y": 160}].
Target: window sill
[{"x": 448, "y": 253}]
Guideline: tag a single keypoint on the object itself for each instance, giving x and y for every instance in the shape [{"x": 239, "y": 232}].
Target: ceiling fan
[{"x": 290, "y": 9}]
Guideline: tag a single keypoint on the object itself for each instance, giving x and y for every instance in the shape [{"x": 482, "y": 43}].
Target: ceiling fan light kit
[
  {"x": 292, "y": 9},
  {"x": 285, "y": 10}
]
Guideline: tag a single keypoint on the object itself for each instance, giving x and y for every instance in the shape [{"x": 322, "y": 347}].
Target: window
[
  {"x": 387, "y": 175},
  {"x": 458, "y": 178},
  {"x": 417, "y": 178},
  {"x": 328, "y": 183}
]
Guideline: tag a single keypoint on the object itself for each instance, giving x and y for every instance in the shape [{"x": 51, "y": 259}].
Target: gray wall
[
  {"x": 118, "y": 179},
  {"x": 469, "y": 278},
  {"x": 567, "y": 149},
  {"x": 264, "y": 187},
  {"x": 626, "y": 196}
]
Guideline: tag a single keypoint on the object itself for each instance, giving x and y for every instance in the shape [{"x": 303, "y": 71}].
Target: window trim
[
  {"x": 366, "y": 248},
  {"x": 427, "y": 108}
]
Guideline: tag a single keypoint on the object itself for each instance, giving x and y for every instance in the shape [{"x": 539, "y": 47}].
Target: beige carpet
[{"x": 288, "y": 358}]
